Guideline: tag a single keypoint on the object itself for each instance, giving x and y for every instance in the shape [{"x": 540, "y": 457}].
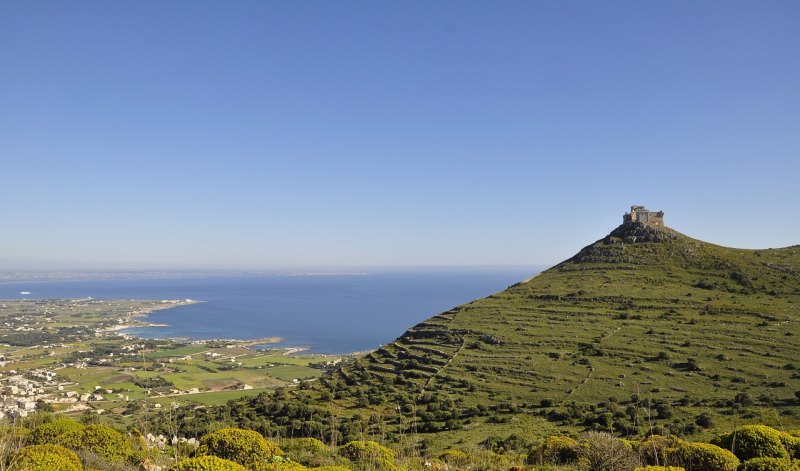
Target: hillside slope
[{"x": 646, "y": 329}]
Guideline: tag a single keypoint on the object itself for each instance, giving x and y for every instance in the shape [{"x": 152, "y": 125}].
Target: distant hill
[{"x": 645, "y": 330}]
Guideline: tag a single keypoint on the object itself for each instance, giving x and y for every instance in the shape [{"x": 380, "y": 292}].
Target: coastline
[
  {"x": 131, "y": 320},
  {"x": 136, "y": 318},
  {"x": 134, "y": 321}
]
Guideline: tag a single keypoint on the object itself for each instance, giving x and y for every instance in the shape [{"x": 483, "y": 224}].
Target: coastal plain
[{"x": 72, "y": 355}]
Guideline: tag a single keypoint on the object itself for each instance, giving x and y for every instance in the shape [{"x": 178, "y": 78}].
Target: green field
[{"x": 176, "y": 352}]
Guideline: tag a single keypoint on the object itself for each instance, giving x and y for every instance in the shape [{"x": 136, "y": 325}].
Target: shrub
[
  {"x": 555, "y": 450},
  {"x": 330, "y": 468},
  {"x": 368, "y": 453},
  {"x": 49, "y": 431},
  {"x": 308, "y": 451},
  {"x": 208, "y": 463},
  {"x": 768, "y": 464},
  {"x": 305, "y": 444},
  {"x": 601, "y": 451},
  {"x": 12, "y": 438},
  {"x": 282, "y": 466},
  {"x": 704, "y": 420},
  {"x": 632, "y": 444},
  {"x": 45, "y": 458},
  {"x": 455, "y": 458},
  {"x": 99, "y": 439},
  {"x": 704, "y": 457},
  {"x": 659, "y": 468},
  {"x": 245, "y": 447},
  {"x": 14, "y": 433},
  {"x": 754, "y": 441},
  {"x": 792, "y": 445},
  {"x": 655, "y": 449},
  {"x": 486, "y": 460}
]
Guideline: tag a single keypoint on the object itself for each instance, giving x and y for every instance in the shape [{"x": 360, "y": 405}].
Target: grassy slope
[{"x": 644, "y": 315}]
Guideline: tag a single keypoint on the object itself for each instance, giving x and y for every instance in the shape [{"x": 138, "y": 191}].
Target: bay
[{"x": 324, "y": 313}]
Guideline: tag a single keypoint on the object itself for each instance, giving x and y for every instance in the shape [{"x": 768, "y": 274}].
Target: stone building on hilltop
[{"x": 643, "y": 215}]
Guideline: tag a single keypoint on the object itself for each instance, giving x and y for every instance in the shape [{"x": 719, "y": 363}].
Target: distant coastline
[{"x": 133, "y": 320}]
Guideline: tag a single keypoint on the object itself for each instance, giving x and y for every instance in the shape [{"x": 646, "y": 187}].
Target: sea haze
[{"x": 326, "y": 313}]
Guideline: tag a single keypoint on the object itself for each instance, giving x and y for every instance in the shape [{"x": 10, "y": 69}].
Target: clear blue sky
[{"x": 256, "y": 134}]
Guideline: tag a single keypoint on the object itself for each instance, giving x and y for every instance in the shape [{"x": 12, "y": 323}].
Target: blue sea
[{"x": 325, "y": 313}]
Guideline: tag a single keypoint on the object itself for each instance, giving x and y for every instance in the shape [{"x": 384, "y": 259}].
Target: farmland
[{"x": 71, "y": 356}]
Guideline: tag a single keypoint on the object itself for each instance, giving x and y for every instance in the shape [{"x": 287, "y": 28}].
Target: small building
[
  {"x": 644, "y": 216},
  {"x": 26, "y": 405}
]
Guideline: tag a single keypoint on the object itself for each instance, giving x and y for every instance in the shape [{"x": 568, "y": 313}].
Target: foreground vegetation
[{"x": 64, "y": 444}]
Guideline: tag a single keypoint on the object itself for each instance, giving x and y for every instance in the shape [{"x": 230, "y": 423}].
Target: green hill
[{"x": 644, "y": 330}]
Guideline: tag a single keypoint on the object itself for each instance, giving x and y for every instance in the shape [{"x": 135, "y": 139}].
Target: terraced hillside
[{"x": 644, "y": 330}]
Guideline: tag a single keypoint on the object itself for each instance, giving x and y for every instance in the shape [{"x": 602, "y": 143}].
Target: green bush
[
  {"x": 13, "y": 437},
  {"x": 99, "y": 439},
  {"x": 455, "y": 458},
  {"x": 208, "y": 463},
  {"x": 769, "y": 464},
  {"x": 49, "y": 431},
  {"x": 369, "y": 454},
  {"x": 554, "y": 450},
  {"x": 311, "y": 445},
  {"x": 245, "y": 447},
  {"x": 655, "y": 449},
  {"x": 659, "y": 468},
  {"x": 282, "y": 466},
  {"x": 792, "y": 445},
  {"x": 309, "y": 451},
  {"x": 13, "y": 433},
  {"x": 45, "y": 458},
  {"x": 704, "y": 457},
  {"x": 754, "y": 441},
  {"x": 486, "y": 459}
]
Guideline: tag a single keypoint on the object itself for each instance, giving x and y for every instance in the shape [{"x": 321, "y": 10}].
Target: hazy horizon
[{"x": 11, "y": 275}]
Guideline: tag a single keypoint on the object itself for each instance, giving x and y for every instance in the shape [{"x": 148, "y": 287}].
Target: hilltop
[{"x": 646, "y": 330}]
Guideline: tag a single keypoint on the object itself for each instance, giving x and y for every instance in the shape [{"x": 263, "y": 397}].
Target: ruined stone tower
[{"x": 645, "y": 216}]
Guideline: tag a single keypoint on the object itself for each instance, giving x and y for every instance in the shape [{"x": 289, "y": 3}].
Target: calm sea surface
[{"x": 328, "y": 314}]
